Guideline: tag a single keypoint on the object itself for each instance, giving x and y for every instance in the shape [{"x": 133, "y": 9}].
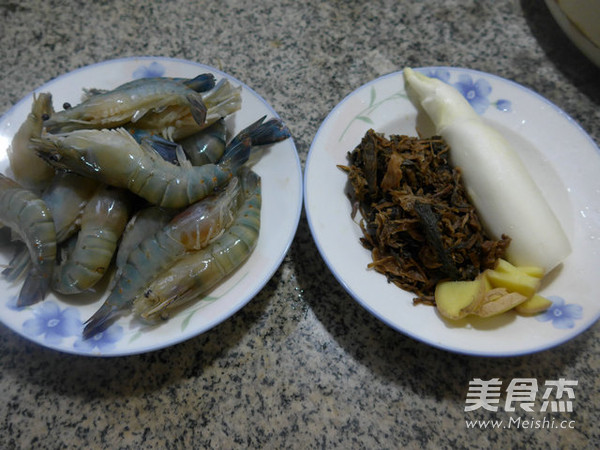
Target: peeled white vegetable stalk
[{"x": 505, "y": 196}]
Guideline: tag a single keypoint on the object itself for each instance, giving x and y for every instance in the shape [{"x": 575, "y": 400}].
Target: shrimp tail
[
  {"x": 100, "y": 321},
  {"x": 270, "y": 132},
  {"x": 18, "y": 265},
  {"x": 263, "y": 133},
  {"x": 246, "y": 133},
  {"x": 258, "y": 133},
  {"x": 237, "y": 155},
  {"x": 237, "y": 151},
  {"x": 165, "y": 148},
  {"x": 34, "y": 289},
  {"x": 197, "y": 108},
  {"x": 202, "y": 83}
]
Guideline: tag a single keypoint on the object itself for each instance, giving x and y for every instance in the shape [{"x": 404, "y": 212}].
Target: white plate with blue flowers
[
  {"x": 57, "y": 322},
  {"x": 561, "y": 157}
]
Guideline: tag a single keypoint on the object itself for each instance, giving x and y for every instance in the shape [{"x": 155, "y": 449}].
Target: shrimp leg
[
  {"x": 18, "y": 265},
  {"x": 27, "y": 215},
  {"x": 198, "y": 272},
  {"x": 102, "y": 223}
]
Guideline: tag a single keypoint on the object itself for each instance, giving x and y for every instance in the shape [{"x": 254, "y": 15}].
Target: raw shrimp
[
  {"x": 128, "y": 103},
  {"x": 198, "y": 272},
  {"x": 102, "y": 222},
  {"x": 29, "y": 170},
  {"x": 65, "y": 197},
  {"x": 28, "y": 216},
  {"x": 175, "y": 122},
  {"x": 193, "y": 229},
  {"x": 115, "y": 158}
]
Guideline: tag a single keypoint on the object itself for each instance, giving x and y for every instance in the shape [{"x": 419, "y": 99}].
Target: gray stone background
[{"x": 302, "y": 365}]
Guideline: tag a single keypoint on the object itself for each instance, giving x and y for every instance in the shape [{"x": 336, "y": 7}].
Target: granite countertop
[{"x": 302, "y": 365}]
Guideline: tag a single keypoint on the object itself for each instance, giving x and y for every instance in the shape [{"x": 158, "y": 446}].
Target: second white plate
[{"x": 562, "y": 159}]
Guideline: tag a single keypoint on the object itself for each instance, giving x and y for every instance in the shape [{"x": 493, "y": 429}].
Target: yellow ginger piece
[
  {"x": 452, "y": 298},
  {"x": 493, "y": 292},
  {"x": 534, "y": 305}
]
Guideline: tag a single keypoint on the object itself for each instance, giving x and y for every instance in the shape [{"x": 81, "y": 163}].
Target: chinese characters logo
[{"x": 556, "y": 395}]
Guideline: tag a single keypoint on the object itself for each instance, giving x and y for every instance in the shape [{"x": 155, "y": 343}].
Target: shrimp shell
[
  {"x": 144, "y": 224},
  {"x": 192, "y": 229},
  {"x": 195, "y": 274},
  {"x": 115, "y": 158},
  {"x": 207, "y": 146},
  {"x": 201, "y": 83},
  {"x": 27, "y": 215},
  {"x": 102, "y": 223}
]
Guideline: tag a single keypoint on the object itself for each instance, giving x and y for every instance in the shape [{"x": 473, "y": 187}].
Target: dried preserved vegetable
[{"x": 416, "y": 218}]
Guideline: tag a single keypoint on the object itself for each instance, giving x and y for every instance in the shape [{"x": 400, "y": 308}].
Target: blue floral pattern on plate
[
  {"x": 153, "y": 69},
  {"x": 53, "y": 323},
  {"x": 101, "y": 342},
  {"x": 476, "y": 92},
  {"x": 562, "y": 315},
  {"x": 440, "y": 73}
]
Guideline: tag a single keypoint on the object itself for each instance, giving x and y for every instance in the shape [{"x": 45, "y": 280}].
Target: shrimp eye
[
  {"x": 45, "y": 116},
  {"x": 55, "y": 157},
  {"x": 66, "y": 105}
]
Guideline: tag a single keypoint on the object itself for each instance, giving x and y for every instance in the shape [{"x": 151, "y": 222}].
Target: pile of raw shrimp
[{"x": 140, "y": 184}]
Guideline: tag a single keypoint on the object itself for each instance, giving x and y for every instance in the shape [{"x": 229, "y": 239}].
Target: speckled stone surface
[{"x": 302, "y": 365}]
